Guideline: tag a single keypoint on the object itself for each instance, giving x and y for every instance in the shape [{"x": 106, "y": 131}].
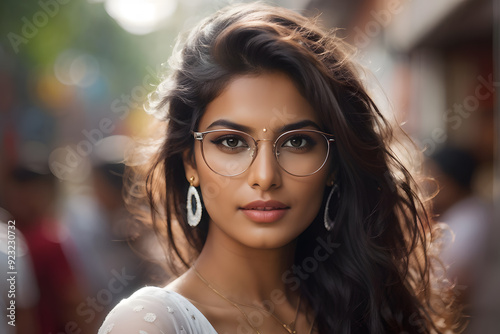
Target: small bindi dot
[{"x": 264, "y": 130}]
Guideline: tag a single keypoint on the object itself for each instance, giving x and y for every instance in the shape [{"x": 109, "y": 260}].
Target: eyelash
[
  {"x": 309, "y": 142},
  {"x": 218, "y": 141}
]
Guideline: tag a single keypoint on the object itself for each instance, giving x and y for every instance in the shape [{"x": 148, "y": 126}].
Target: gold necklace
[{"x": 289, "y": 328}]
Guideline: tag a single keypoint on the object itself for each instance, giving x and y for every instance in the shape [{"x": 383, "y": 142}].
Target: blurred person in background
[
  {"x": 30, "y": 194},
  {"x": 108, "y": 242},
  {"x": 468, "y": 216}
]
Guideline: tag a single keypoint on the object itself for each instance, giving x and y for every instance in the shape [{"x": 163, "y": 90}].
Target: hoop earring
[
  {"x": 329, "y": 223},
  {"x": 193, "y": 211}
]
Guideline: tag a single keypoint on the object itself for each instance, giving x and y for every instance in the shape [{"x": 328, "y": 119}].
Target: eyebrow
[
  {"x": 244, "y": 128},
  {"x": 231, "y": 125},
  {"x": 299, "y": 125}
]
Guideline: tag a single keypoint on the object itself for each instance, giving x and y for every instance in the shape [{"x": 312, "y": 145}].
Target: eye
[
  {"x": 230, "y": 142},
  {"x": 295, "y": 142},
  {"x": 298, "y": 141},
  {"x": 233, "y": 142}
]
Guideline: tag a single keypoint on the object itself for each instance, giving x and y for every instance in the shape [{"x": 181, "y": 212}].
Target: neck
[{"x": 244, "y": 274}]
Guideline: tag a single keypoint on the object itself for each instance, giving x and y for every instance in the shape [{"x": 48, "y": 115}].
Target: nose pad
[
  {"x": 264, "y": 173},
  {"x": 264, "y": 154}
]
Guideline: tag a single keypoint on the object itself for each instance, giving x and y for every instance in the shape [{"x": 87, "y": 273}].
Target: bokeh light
[{"x": 140, "y": 16}]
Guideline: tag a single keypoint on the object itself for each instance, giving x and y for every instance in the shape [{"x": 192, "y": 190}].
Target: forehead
[{"x": 268, "y": 100}]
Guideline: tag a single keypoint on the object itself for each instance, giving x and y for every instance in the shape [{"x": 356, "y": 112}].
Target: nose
[{"x": 264, "y": 173}]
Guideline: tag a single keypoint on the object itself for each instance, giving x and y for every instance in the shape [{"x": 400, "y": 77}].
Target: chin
[{"x": 267, "y": 239}]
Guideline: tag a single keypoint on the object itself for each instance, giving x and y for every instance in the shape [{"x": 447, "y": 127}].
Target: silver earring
[
  {"x": 329, "y": 223},
  {"x": 193, "y": 211}
]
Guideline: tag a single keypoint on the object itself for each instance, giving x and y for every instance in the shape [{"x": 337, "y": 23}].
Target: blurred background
[{"x": 74, "y": 75}]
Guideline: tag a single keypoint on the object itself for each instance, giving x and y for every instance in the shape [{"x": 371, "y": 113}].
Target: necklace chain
[{"x": 289, "y": 328}]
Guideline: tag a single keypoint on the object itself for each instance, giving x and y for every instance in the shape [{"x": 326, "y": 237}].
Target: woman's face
[{"x": 262, "y": 105}]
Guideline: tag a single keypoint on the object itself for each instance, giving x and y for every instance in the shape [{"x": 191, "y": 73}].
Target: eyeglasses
[{"x": 231, "y": 152}]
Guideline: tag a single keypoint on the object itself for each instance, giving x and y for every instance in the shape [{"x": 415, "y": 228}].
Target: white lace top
[{"x": 153, "y": 310}]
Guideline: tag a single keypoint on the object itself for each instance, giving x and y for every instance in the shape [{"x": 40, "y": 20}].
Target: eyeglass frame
[{"x": 199, "y": 136}]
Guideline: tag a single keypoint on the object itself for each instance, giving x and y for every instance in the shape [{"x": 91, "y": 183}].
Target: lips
[{"x": 265, "y": 211}]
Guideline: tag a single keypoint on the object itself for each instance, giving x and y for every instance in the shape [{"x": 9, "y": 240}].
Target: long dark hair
[{"x": 378, "y": 279}]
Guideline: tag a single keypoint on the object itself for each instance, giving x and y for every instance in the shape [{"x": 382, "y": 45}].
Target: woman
[{"x": 299, "y": 218}]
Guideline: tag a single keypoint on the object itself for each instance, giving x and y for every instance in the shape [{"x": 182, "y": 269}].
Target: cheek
[
  {"x": 309, "y": 197},
  {"x": 214, "y": 188},
  {"x": 312, "y": 202},
  {"x": 219, "y": 198}
]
